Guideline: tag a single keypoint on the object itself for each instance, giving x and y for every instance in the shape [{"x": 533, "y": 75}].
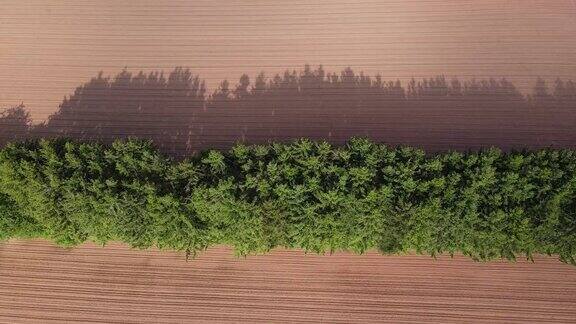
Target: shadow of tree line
[{"x": 175, "y": 111}]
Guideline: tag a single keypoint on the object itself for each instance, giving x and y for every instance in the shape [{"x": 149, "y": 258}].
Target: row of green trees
[{"x": 305, "y": 194}]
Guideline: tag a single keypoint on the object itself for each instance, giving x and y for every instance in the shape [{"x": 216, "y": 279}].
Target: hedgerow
[{"x": 307, "y": 195}]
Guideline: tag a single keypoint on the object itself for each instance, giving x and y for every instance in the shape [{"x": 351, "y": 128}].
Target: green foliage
[{"x": 307, "y": 195}]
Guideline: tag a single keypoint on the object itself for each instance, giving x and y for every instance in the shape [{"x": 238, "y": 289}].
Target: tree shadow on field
[
  {"x": 175, "y": 112},
  {"x": 150, "y": 106},
  {"x": 435, "y": 114},
  {"x": 15, "y": 124}
]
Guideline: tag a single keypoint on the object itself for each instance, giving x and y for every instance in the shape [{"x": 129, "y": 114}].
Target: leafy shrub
[{"x": 305, "y": 194}]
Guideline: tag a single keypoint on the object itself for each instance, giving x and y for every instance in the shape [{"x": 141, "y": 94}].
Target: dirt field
[
  {"x": 43, "y": 283},
  {"x": 48, "y": 47}
]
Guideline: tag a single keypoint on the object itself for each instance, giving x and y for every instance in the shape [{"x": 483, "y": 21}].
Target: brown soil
[
  {"x": 48, "y": 47},
  {"x": 43, "y": 283}
]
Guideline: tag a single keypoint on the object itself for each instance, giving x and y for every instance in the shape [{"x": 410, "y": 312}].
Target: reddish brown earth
[
  {"x": 44, "y": 283},
  {"x": 48, "y": 47}
]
